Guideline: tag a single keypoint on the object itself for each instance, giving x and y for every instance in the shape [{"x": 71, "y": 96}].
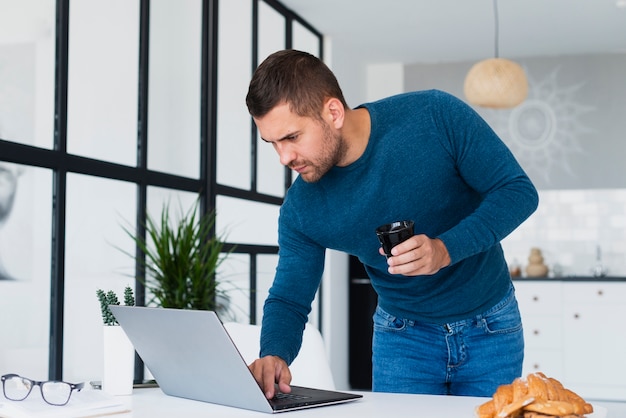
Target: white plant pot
[{"x": 119, "y": 362}]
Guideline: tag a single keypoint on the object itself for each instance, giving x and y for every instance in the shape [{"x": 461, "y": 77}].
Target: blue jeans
[{"x": 470, "y": 357}]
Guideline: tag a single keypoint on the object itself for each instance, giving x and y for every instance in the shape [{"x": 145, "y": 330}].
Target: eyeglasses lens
[
  {"x": 56, "y": 393},
  {"x": 17, "y": 388}
]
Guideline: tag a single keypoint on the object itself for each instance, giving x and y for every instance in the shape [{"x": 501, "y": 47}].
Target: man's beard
[{"x": 333, "y": 151}]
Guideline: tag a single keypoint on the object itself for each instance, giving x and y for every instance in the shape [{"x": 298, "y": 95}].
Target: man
[{"x": 447, "y": 320}]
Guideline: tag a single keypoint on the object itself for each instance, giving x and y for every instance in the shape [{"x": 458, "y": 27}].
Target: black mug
[{"x": 393, "y": 234}]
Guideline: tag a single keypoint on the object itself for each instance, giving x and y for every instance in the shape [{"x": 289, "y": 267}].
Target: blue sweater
[{"x": 432, "y": 159}]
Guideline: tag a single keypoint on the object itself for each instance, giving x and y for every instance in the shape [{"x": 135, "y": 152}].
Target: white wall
[
  {"x": 384, "y": 80},
  {"x": 569, "y": 133},
  {"x": 569, "y": 227}
]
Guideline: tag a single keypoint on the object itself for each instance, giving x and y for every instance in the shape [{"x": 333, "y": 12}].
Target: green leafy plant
[
  {"x": 181, "y": 259},
  {"x": 110, "y": 298}
]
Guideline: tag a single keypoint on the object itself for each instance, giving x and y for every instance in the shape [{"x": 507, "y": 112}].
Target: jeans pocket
[
  {"x": 504, "y": 319},
  {"x": 384, "y": 321}
]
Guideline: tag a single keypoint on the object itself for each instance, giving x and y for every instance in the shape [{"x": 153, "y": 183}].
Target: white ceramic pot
[{"x": 119, "y": 362}]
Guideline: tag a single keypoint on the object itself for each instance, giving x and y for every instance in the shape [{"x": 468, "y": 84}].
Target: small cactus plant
[{"x": 110, "y": 298}]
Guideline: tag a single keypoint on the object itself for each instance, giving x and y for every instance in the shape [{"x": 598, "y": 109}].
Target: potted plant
[
  {"x": 119, "y": 353},
  {"x": 110, "y": 298},
  {"x": 181, "y": 260}
]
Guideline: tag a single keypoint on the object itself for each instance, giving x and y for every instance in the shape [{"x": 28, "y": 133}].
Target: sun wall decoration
[{"x": 544, "y": 131}]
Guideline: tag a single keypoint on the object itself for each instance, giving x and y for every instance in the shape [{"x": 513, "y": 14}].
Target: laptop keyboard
[
  {"x": 288, "y": 397},
  {"x": 289, "y": 401}
]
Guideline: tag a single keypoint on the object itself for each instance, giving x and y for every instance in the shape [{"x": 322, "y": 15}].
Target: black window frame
[{"x": 61, "y": 163}]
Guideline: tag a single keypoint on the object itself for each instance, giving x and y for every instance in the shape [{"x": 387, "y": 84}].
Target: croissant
[{"x": 536, "y": 396}]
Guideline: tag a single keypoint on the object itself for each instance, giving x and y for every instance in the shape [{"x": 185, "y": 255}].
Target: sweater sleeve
[
  {"x": 486, "y": 164},
  {"x": 298, "y": 275}
]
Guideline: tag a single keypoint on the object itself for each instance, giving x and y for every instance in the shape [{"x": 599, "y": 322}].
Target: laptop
[{"x": 191, "y": 355}]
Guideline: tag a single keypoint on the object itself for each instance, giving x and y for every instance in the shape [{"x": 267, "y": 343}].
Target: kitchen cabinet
[
  {"x": 575, "y": 331},
  {"x": 594, "y": 343},
  {"x": 541, "y": 307}
]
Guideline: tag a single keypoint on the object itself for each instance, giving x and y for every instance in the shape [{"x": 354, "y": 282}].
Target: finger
[
  {"x": 428, "y": 257},
  {"x": 410, "y": 244},
  {"x": 284, "y": 387},
  {"x": 263, "y": 370},
  {"x": 410, "y": 265},
  {"x": 414, "y": 268},
  {"x": 283, "y": 376},
  {"x": 269, "y": 380},
  {"x": 276, "y": 373},
  {"x": 405, "y": 257},
  {"x": 257, "y": 368},
  {"x": 410, "y": 257}
]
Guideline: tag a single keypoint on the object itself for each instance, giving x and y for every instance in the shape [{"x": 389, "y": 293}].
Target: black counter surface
[{"x": 572, "y": 279}]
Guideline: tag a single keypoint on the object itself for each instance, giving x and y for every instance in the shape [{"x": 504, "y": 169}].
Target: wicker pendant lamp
[{"x": 496, "y": 82}]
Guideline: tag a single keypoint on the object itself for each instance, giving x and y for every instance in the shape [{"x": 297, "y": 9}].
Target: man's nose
[{"x": 286, "y": 153}]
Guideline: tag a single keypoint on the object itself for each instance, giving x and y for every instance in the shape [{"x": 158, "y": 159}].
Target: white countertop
[{"x": 152, "y": 403}]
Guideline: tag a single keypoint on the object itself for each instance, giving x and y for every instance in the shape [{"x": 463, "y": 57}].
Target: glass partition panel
[
  {"x": 178, "y": 202},
  {"x": 233, "y": 277},
  {"x": 314, "y": 316},
  {"x": 233, "y": 121},
  {"x": 247, "y": 222},
  {"x": 174, "y": 83},
  {"x": 270, "y": 173},
  {"x": 25, "y": 228},
  {"x": 272, "y": 36},
  {"x": 103, "y": 74},
  {"x": 304, "y": 39},
  {"x": 27, "y": 30},
  {"x": 266, "y": 268},
  {"x": 96, "y": 256}
]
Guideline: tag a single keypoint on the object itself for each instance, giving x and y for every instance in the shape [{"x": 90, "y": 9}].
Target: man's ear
[{"x": 334, "y": 112}]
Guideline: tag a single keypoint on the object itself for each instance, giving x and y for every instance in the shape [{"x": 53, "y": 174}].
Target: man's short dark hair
[{"x": 294, "y": 77}]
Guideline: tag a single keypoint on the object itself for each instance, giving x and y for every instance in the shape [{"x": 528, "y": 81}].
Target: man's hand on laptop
[{"x": 269, "y": 371}]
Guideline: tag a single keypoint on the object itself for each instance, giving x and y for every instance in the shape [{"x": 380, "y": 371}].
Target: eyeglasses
[{"x": 17, "y": 388}]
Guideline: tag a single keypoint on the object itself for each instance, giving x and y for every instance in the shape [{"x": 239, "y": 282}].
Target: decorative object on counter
[
  {"x": 110, "y": 298},
  {"x": 119, "y": 354},
  {"x": 599, "y": 270},
  {"x": 515, "y": 269},
  {"x": 557, "y": 270},
  {"x": 536, "y": 267}
]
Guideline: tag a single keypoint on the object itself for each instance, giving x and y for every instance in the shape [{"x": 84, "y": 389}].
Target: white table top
[{"x": 153, "y": 403}]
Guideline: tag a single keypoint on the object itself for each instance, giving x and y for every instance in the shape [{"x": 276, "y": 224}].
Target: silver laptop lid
[{"x": 180, "y": 348}]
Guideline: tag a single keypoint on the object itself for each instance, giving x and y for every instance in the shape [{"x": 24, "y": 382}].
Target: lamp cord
[{"x": 496, "y": 26}]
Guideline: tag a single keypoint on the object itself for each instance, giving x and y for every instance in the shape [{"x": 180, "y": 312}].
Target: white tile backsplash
[{"x": 569, "y": 226}]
